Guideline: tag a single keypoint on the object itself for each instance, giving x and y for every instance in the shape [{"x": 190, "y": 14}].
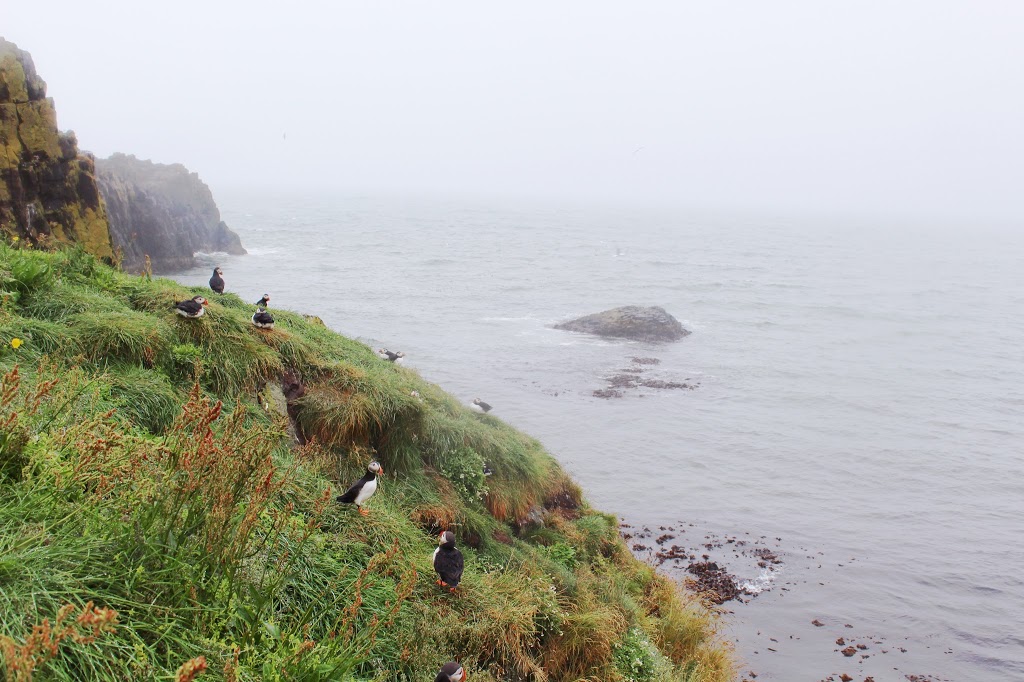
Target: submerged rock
[{"x": 629, "y": 322}]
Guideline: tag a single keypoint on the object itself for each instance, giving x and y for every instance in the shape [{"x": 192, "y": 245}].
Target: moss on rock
[{"x": 48, "y": 190}]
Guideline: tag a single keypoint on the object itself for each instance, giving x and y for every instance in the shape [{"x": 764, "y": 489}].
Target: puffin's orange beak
[
  {"x": 206, "y": 303},
  {"x": 381, "y": 470}
]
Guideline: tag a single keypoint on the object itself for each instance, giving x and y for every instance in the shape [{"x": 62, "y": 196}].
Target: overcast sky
[{"x": 896, "y": 107}]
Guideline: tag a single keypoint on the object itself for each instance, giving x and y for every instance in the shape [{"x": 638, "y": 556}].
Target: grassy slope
[{"x": 143, "y": 469}]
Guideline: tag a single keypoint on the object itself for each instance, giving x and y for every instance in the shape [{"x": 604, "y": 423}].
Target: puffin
[
  {"x": 391, "y": 357},
  {"x": 363, "y": 489},
  {"x": 262, "y": 319},
  {"x": 448, "y": 561},
  {"x": 192, "y": 308},
  {"x": 451, "y": 672},
  {"x": 263, "y": 302},
  {"x": 217, "y": 282},
  {"x": 480, "y": 406}
]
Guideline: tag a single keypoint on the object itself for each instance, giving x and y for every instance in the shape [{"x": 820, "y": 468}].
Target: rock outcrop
[
  {"x": 48, "y": 189},
  {"x": 629, "y": 322},
  {"x": 161, "y": 211}
]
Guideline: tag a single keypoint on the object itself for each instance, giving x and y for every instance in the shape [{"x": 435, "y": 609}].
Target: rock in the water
[
  {"x": 161, "y": 211},
  {"x": 629, "y": 322}
]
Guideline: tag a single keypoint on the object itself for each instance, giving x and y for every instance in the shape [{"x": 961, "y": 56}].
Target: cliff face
[
  {"x": 161, "y": 211},
  {"x": 48, "y": 189}
]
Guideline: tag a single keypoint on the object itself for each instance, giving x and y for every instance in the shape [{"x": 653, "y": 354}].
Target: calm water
[{"x": 861, "y": 394}]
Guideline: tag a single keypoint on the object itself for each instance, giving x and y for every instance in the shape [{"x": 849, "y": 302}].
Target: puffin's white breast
[{"x": 367, "y": 491}]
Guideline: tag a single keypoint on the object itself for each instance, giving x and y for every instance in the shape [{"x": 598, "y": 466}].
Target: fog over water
[{"x": 909, "y": 108}]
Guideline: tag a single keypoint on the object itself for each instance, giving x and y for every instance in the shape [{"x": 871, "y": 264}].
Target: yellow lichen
[
  {"x": 38, "y": 128},
  {"x": 92, "y": 231},
  {"x": 12, "y": 73}
]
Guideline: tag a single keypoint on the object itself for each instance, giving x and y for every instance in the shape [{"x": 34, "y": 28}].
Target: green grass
[{"x": 144, "y": 468}]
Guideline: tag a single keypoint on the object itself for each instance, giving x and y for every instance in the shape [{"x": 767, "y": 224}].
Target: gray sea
[{"x": 858, "y": 410}]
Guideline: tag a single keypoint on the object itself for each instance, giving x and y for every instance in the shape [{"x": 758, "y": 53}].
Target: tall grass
[
  {"x": 121, "y": 336},
  {"x": 146, "y": 398}
]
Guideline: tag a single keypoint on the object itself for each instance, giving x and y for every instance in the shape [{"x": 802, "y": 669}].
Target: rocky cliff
[
  {"x": 162, "y": 211},
  {"x": 48, "y": 189}
]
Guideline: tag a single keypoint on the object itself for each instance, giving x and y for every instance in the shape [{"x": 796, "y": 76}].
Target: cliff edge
[
  {"x": 48, "y": 189},
  {"x": 163, "y": 211}
]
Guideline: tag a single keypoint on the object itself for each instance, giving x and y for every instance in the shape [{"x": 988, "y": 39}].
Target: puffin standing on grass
[
  {"x": 448, "y": 561},
  {"x": 363, "y": 489},
  {"x": 217, "y": 282},
  {"x": 480, "y": 406},
  {"x": 193, "y": 308},
  {"x": 385, "y": 354},
  {"x": 451, "y": 672},
  {"x": 263, "y": 302}
]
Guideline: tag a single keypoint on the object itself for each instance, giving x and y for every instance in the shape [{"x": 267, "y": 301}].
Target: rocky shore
[
  {"x": 632, "y": 377},
  {"x": 737, "y": 572}
]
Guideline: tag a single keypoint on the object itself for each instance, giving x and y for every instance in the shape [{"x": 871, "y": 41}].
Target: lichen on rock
[{"x": 48, "y": 189}]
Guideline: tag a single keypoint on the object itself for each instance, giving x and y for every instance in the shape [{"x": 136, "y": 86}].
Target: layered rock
[
  {"x": 161, "y": 211},
  {"x": 629, "y": 322},
  {"x": 48, "y": 190}
]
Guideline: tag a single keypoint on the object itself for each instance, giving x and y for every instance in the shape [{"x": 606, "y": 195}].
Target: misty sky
[{"x": 871, "y": 107}]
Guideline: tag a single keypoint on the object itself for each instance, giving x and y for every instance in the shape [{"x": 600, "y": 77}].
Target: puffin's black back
[
  {"x": 217, "y": 283},
  {"x": 263, "y": 317},
  {"x": 449, "y": 565},
  {"x": 446, "y": 672},
  {"x": 190, "y": 307},
  {"x": 350, "y": 495}
]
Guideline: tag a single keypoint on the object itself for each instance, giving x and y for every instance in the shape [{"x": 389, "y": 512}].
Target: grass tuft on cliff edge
[{"x": 158, "y": 520}]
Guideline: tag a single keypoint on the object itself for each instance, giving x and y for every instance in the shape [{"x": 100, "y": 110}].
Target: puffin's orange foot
[
  {"x": 439, "y": 582},
  {"x": 363, "y": 512},
  {"x": 452, "y": 590}
]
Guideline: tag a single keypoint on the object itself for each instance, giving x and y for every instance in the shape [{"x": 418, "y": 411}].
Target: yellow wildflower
[{"x": 16, "y": 343}]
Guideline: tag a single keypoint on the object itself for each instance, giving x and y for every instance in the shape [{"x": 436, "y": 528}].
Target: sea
[{"x": 850, "y": 444}]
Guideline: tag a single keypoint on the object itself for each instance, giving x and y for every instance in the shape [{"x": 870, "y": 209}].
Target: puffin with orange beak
[
  {"x": 193, "y": 308},
  {"x": 451, "y": 672},
  {"x": 448, "y": 561},
  {"x": 363, "y": 489}
]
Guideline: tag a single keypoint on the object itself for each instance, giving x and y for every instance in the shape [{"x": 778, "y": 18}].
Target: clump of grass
[
  {"x": 23, "y": 271},
  {"x": 350, "y": 409},
  {"x": 234, "y": 363},
  {"x": 62, "y": 301},
  {"x": 232, "y": 357},
  {"x": 147, "y": 398},
  {"x": 125, "y": 336},
  {"x": 39, "y": 337},
  {"x": 686, "y": 631},
  {"x": 294, "y": 351},
  {"x": 151, "y": 296}
]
